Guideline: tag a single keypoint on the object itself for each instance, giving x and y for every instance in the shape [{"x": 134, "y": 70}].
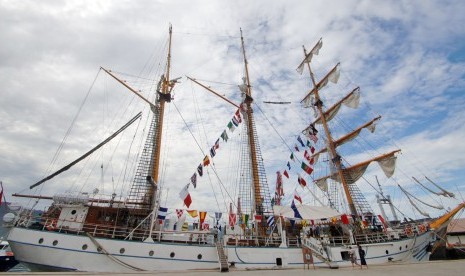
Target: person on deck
[
  {"x": 361, "y": 253},
  {"x": 352, "y": 257}
]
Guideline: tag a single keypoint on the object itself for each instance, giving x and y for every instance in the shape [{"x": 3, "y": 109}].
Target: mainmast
[
  {"x": 336, "y": 159},
  {"x": 251, "y": 136}
]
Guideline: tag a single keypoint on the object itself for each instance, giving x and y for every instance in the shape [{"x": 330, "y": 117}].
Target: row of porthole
[{"x": 122, "y": 250}]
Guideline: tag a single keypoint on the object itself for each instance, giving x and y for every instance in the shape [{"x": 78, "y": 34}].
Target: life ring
[{"x": 52, "y": 225}]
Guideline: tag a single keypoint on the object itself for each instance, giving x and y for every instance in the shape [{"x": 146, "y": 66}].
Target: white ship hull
[{"x": 60, "y": 251}]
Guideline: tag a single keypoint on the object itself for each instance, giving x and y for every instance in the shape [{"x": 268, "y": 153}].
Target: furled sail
[
  {"x": 439, "y": 187},
  {"x": 332, "y": 76},
  {"x": 308, "y": 58},
  {"x": 354, "y": 173},
  {"x": 440, "y": 207},
  {"x": 370, "y": 126},
  {"x": 350, "y": 100},
  {"x": 443, "y": 193}
]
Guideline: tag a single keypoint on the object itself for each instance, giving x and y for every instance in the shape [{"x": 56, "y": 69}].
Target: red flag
[
  {"x": 306, "y": 168},
  {"x": 297, "y": 197},
  {"x": 345, "y": 219},
  {"x": 286, "y": 174},
  {"x": 301, "y": 182},
  {"x": 185, "y": 196},
  {"x": 307, "y": 156},
  {"x": 312, "y": 149},
  {"x": 179, "y": 212},
  {"x": 258, "y": 218},
  {"x": 206, "y": 161},
  {"x": 232, "y": 219}
]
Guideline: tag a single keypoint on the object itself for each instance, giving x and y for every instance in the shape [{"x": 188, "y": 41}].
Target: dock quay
[{"x": 450, "y": 267}]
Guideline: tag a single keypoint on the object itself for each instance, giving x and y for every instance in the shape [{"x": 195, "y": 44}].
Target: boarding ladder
[
  {"x": 222, "y": 258},
  {"x": 317, "y": 250}
]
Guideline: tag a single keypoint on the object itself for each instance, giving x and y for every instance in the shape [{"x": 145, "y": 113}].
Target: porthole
[
  {"x": 387, "y": 252},
  {"x": 199, "y": 256},
  {"x": 41, "y": 240},
  {"x": 73, "y": 212},
  {"x": 84, "y": 247},
  {"x": 172, "y": 254},
  {"x": 55, "y": 242},
  {"x": 406, "y": 246},
  {"x": 122, "y": 250},
  {"x": 151, "y": 253},
  {"x": 400, "y": 248}
]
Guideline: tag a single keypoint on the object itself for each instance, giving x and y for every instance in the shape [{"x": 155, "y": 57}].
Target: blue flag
[{"x": 296, "y": 212}]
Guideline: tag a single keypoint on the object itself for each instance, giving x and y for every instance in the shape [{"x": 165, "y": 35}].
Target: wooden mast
[
  {"x": 336, "y": 158},
  {"x": 251, "y": 136},
  {"x": 164, "y": 96}
]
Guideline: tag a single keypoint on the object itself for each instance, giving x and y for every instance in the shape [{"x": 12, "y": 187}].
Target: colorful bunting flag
[
  {"x": 202, "y": 217},
  {"x": 245, "y": 219},
  {"x": 185, "y": 196},
  {"x": 232, "y": 219},
  {"x": 238, "y": 115},
  {"x": 297, "y": 197},
  {"x": 258, "y": 218},
  {"x": 286, "y": 174},
  {"x": 193, "y": 213},
  {"x": 179, "y": 212},
  {"x": 205, "y": 226},
  {"x": 345, "y": 219},
  {"x": 200, "y": 170},
  {"x": 292, "y": 157},
  {"x": 206, "y": 161},
  {"x": 312, "y": 149},
  {"x": 224, "y": 136},
  {"x": 162, "y": 211},
  {"x": 194, "y": 179},
  {"x": 185, "y": 226},
  {"x": 296, "y": 212},
  {"x": 289, "y": 165},
  {"x": 231, "y": 127},
  {"x": 300, "y": 141},
  {"x": 296, "y": 147},
  {"x": 218, "y": 216},
  {"x": 307, "y": 156},
  {"x": 306, "y": 168},
  {"x": 301, "y": 182},
  {"x": 212, "y": 152},
  {"x": 235, "y": 121},
  {"x": 270, "y": 221},
  {"x": 217, "y": 143},
  {"x": 313, "y": 138}
]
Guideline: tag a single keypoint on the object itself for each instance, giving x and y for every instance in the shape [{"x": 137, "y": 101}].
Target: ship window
[
  {"x": 400, "y": 248},
  {"x": 41, "y": 240},
  {"x": 406, "y": 246},
  {"x": 199, "y": 256},
  {"x": 172, "y": 255},
  {"x": 73, "y": 212},
  {"x": 387, "y": 252},
  {"x": 279, "y": 261},
  {"x": 84, "y": 246},
  {"x": 55, "y": 242},
  {"x": 151, "y": 253},
  {"x": 122, "y": 250}
]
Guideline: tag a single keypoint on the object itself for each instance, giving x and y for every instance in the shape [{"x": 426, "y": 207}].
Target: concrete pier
[{"x": 456, "y": 267}]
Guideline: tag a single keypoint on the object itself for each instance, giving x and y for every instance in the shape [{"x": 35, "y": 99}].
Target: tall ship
[{"x": 139, "y": 230}]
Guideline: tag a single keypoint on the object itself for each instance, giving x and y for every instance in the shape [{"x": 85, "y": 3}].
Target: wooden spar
[
  {"x": 340, "y": 141},
  {"x": 251, "y": 136},
  {"x": 329, "y": 110},
  {"x": 336, "y": 159},
  {"x": 87, "y": 153},
  {"x": 361, "y": 164},
  {"x": 128, "y": 87},
  {"x": 212, "y": 91},
  {"x": 93, "y": 200},
  {"x": 317, "y": 86}
]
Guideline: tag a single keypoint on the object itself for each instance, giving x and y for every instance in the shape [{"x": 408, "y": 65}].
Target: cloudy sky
[{"x": 408, "y": 57}]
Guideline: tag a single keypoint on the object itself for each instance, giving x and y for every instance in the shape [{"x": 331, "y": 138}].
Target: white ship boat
[{"x": 81, "y": 232}]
